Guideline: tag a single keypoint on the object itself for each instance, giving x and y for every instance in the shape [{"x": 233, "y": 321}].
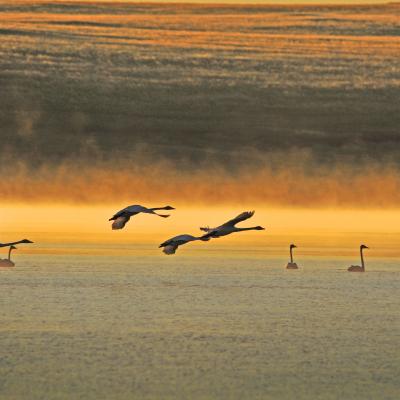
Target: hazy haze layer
[{"x": 285, "y": 99}]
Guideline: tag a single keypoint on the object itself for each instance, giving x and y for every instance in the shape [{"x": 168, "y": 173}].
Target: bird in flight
[
  {"x": 124, "y": 215},
  {"x": 171, "y": 245},
  {"x": 230, "y": 226}
]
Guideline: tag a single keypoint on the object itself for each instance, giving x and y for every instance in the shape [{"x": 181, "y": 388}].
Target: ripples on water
[{"x": 186, "y": 327}]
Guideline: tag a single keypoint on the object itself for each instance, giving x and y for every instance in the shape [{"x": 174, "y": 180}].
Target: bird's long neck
[
  {"x": 9, "y": 253},
  {"x": 246, "y": 229},
  {"x": 291, "y": 254},
  {"x": 362, "y": 259}
]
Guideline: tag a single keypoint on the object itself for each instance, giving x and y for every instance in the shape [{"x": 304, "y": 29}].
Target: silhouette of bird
[
  {"x": 124, "y": 215},
  {"x": 171, "y": 245},
  {"x": 358, "y": 268},
  {"x": 229, "y": 227},
  {"x": 291, "y": 264}
]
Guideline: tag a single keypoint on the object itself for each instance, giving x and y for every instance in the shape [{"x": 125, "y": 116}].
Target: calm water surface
[{"x": 92, "y": 327}]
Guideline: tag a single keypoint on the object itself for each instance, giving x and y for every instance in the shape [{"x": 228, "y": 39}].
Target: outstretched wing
[
  {"x": 18, "y": 242},
  {"x": 208, "y": 235},
  {"x": 130, "y": 210},
  {"x": 172, "y": 244},
  {"x": 116, "y": 215},
  {"x": 170, "y": 249},
  {"x": 178, "y": 240},
  {"x": 166, "y": 243},
  {"x": 241, "y": 217},
  {"x": 136, "y": 209},
  {"x": 120, "y": 221}
]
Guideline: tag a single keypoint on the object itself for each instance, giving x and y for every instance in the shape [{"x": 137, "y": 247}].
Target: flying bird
[
  {"x": 229, "y": 227},
  {"x": 18, "y": 242},
  {"x": 291, "y": 264},
  {"x": 7, "y": 261},
  {"x": 124, "y": 215},
  {"x": 172, "y": 244},
  {"x": 357, "y": 268}
]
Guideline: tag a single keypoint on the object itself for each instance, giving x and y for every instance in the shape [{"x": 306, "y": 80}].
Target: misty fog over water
[{"x": 221, "y": 85}]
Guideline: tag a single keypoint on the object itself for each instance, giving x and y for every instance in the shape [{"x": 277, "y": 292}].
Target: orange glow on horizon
[
  {"x": 311, "y": 229},
  {"x": 289, "y": 187}
]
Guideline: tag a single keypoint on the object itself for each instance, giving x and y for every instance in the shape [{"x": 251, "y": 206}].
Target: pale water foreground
[{"x": 190, "y": 327}]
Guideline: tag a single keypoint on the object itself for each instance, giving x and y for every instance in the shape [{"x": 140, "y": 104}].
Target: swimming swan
[
  {"x": 357, "y": 268},
  {"x": 7, "y": 261},
  {"x": 291, "y": 264}
]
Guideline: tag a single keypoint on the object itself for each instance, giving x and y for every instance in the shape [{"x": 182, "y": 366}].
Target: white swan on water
[
  {"x": 358, "y": 268},
  {"x": 291, "y": 264},
  {"x": 229, "y": 227},
  {"x": 172, "y": 244},
  {"x": 123, "y": 216},
  {"x": 7, "y": 261}
]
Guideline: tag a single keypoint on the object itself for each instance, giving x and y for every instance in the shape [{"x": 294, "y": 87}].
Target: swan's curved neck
[
  {"x": 362, "y": 259},
  {"x": 291, "y": 255},
  {"x": 9, "y": 253}
]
